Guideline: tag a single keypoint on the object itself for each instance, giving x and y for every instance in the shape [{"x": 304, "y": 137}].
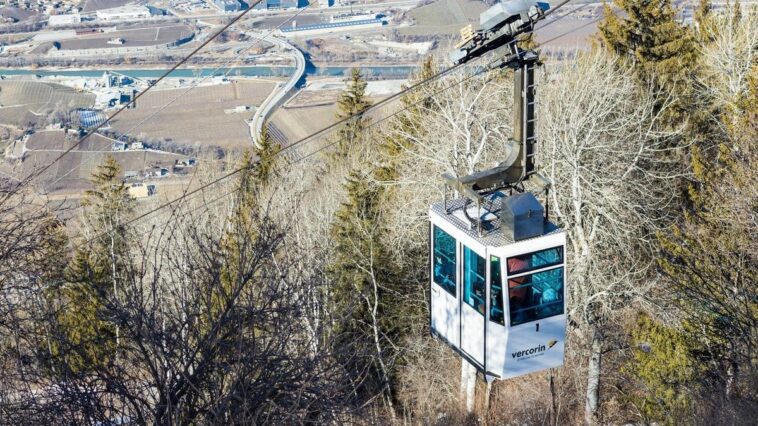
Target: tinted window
[
  {"x": 496, "y": 291},
  {"x": 444, "y": 260},
  {"x": 474, "y": 271},
  {"x": 535, "y": 296},
  {"x": 536, "y": 260}
]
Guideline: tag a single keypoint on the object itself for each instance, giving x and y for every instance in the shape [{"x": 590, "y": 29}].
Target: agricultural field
[
  {"x": 296, "y": 123},
  {"x": 133, "y": 37},
  {"x": 95, "y": 5},
  {"x": 55, "y": 140},
  {"x": 75, "y": 169},
  {"x": 197, "y": 118},
  {"x": 24, "y": 101},
  {"x": 312, "y": 110},
  {"x": 71, "y": 173},
  {"x": 444, "y": 17},
  {"x": 311, "y": 98}
]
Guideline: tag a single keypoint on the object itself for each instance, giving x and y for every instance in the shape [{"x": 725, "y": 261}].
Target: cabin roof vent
[{"x": 523, "y": 217}]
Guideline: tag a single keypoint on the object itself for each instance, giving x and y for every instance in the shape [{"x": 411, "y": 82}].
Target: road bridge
[{"x": 281, "y": 93}]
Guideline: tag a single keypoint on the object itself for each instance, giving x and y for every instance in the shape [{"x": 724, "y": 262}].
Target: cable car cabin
[{"x": 498, "y": 283}]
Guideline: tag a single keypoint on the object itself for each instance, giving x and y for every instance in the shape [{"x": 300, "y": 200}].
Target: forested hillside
[{"x": 296, "y": 290}]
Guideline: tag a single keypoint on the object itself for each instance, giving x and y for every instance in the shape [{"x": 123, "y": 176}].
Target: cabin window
[
  {"x": 496, "y": 292},
  {"x": 444, "y": 267},
  {"x": 535, "y": 296},
  {"x": 474, "y": 271},
  {"x": 536, "y": 260}
]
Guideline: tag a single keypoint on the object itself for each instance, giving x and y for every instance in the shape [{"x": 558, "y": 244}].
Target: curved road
[{"x": 281, "y": 93}]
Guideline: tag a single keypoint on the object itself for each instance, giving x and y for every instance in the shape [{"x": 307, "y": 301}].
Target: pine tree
[
  {"x": 92, "y": 276},
  {"x": 409, "y": 123},
  {"x": 663, "y": 362},
  {"x": 703, "y": 19},
  {"x": 352, "y": 101},
  {"x": 109, "y": 201},
  {"x": 239, "y": 238},
  {"x": 267, "y": 151},
  {"x": 362, "y": 273},
  {"x": 662, "y": 50},
  {"x": 87, "y": 335},
  {"x": 711, "y": 257}
]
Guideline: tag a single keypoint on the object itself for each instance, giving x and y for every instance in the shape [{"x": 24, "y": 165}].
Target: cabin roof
[{"x": 492, "y": 235}]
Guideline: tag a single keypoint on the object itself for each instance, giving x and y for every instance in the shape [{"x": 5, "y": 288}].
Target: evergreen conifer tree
[
  {"x": 663, "y": 361},
  {"x": 361, "y": 270},
  {"x": 662, "y": 50},
  {"x": 711, "y": 257},
  {"x": 267, "y": 151},
  {"x": 92, "y": 276},
  {"x": 352, "y": 100},
  {"x": 409, "y": 122},
  {"x": 703, "y": 18}
]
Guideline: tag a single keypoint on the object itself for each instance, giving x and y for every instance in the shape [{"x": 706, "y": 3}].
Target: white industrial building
[
  {"x": 61, "y": 20},
  {"x": 332, "y": 27},
  {"x": 124, "y": 13}
]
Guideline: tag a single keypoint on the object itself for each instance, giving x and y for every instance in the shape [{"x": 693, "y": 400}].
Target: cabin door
[
  {"x": 444, "y": 287},
  {"x": 473, "y": 303}
]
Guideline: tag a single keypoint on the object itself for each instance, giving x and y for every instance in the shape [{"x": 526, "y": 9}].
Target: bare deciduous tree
[{"x": 603, "y": 148}]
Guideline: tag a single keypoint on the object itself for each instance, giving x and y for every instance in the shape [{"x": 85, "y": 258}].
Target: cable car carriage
[
  {"x": 497, "y": 263},
  {"x": 497, "y": 296}
]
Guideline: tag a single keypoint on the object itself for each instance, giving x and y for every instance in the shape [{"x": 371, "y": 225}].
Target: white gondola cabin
[
  {"x": 498, "y": 289},
  {"x": 497, "y": 264}
]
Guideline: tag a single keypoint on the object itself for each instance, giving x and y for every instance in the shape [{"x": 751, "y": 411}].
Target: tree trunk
[
  {"x": 731, "y": 378},
  {"x": 468, "y": 384},
  {"x": 593, "y": 379},
  {"x": 487, "y": 395},
  {"x": 553, "y": 396}
]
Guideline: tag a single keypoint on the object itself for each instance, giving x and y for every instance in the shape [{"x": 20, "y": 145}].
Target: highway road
[{"x": 281, "y": 93}]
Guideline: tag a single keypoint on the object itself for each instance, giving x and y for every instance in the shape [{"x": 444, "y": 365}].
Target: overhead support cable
[
  {"x": 228, "y": 66},
  {"x": 491, "y": 65}
]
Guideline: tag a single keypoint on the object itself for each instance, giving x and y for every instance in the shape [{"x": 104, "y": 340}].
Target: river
[{"x": 385, "y": 72}]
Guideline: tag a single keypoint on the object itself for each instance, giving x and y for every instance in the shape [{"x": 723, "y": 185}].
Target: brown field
[
  {"x": 75, "y": 168},
  {"x": 22, "y": 100},
  {"x": 16, "y": 116},
  {"x": 310, "y": 98},
  {"x": 199, "y": 117},
  {"x": 444, "y": 17},
  {"x": 297, "y": 123},
  {"x": 55, "y": 140},
  {"x": 94, "y": 5},
  {"x": 46, "y": 141},
  {"x": 143, "y": 36}
]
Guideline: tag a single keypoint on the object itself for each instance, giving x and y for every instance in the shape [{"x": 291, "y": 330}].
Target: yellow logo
[
  {"x": 467, "y": 34},
  {"x": 551, "y": 343}
]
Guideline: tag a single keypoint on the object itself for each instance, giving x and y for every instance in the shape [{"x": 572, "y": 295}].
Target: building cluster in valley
[{"x": 45, "y": 6}]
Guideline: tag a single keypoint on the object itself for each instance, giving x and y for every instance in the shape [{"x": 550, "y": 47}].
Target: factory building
[
  {"x": 68, "y": 19},
  {"x": 279, "y": 4},
  {"x": 125, "y": 13},
  {"x": 227, "y": 5},
  {"x": 332, "y": 27}
]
